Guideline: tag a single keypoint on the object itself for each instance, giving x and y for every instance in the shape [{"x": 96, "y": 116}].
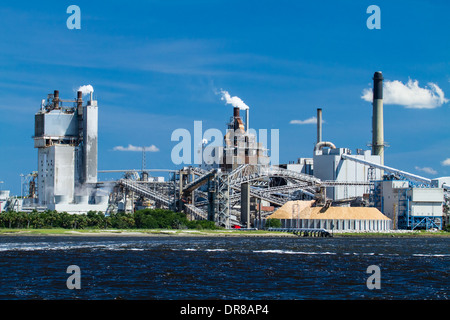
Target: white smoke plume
[
  {"x": 130, "y": 147},
  {"x": 87, "y": 89},
  {"x": 234, "y": 101},
  {"x": 409, "y": 95}
]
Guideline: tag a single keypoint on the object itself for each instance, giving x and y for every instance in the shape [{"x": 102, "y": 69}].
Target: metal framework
[{"x": 216, "y": 195}]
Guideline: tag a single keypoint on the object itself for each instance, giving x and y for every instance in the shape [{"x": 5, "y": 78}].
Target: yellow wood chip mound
[
  {"x": 291, "y": 208},
  {"x": 304, "y": 210}
]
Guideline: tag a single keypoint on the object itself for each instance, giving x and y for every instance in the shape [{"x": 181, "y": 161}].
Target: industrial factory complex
[{"x": 335, "y": 189}]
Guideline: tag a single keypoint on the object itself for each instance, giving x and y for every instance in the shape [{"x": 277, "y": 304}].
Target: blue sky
[{"x": 156, "y": 66}]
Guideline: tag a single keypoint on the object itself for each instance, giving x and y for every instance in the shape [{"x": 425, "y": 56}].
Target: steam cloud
[
  {"x": 409, "y": 95},
  {"x": 234, "y": 101},
  {"x": 130, "y": 147},
  {"x": 87, "y": 89}
]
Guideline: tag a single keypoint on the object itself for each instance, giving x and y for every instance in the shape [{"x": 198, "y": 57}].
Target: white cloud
[
  {"x": 312, "y": 120},
  {"x": 409, "y": 95},
  {"x": 426, "y": 170},
  {"x": 234, "y": 101},
  {"x": 446, "y": 162},
  {"x": 130, "y": 147},
  {"x": 87, "y": 89}
]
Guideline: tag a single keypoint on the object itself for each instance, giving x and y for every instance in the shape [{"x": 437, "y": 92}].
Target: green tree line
[{"x": 141, "y": 219}]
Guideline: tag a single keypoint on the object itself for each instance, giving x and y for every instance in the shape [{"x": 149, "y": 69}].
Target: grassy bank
[
  {"x": 394, "y": 234},
  {"x": 206, "y": 233},
  {"x": 142, "y": 232}
]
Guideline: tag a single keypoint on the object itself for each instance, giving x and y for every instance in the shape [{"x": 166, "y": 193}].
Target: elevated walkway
[{"x": 145, "y": 192}]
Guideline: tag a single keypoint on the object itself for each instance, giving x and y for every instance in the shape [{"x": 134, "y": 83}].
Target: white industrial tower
[{"x": 66, "y": 139}]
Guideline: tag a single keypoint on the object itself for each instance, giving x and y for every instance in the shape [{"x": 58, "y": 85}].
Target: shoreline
[{"x": 209, "y": 233}]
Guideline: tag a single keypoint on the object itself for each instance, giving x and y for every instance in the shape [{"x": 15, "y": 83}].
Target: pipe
[
  {"x": 322, "y": 144},
  {"x": 246, "y": 120},
  {"x": 388, "y": 169},
  {"x": 319, "y": 125},
  {"x": 377, "y": 117}
]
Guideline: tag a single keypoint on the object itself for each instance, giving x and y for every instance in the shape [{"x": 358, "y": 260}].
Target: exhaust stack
[
  {"x": 319, "y": 125},
  {"x": 246, "y": 120},
  {"x": 79, "y": 99},
  {"x": 55, "y": 99},
  {"x": 236, "y": 112},
  {"x": 377, "y": 117}
]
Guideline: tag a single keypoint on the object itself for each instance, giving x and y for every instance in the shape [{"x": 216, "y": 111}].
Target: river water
[{"x": 246, "y": 268}]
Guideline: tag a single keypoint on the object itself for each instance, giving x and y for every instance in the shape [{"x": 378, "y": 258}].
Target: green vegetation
[
  {"x": 273, "y": 223},
  {"x": 141, "y": 219}
]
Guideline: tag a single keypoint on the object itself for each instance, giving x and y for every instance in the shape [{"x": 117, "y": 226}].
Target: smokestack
[
  {"x": 377, "y": 117},
  {"x": 80, "y": 113},
  {"x": 236, "y": 112},
  {"x": 319, "y": 125},
  {"x": 55, "y": 99},
  {"x": 246, "y": 120},
  {"x": 79, "y": 98}
]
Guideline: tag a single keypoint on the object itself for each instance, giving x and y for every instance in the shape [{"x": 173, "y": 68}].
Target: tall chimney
[
  {"x": 319, "y": 125},
  {"x": 236, "y": 112},
  {"x": 246, "y": 120},
  {"x": 55, "y": 99},
  {"x": 79, "y": 98},
  {"x": 377, "y": 117}
]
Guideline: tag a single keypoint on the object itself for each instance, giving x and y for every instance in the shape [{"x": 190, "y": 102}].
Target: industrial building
[
  {"x": 66, "y": 134},
  {"x": 4, "y": 196},
  {"x": 345, "y": 190},
  {"x": 302, "y": 214},
  {"x": 410, "y": 207},
  {"x": 240, "y": 145}
]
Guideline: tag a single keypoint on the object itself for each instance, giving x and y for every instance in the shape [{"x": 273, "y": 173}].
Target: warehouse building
[{"x": 303, "y": 214}]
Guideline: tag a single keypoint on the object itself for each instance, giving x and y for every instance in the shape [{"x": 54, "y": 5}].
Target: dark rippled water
[{"x": 34, "y": 267}]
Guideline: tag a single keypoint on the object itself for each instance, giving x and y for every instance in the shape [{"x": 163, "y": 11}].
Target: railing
[
  {"x": 141, "y": 190},
  {"x": 195, "y": 212}
]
